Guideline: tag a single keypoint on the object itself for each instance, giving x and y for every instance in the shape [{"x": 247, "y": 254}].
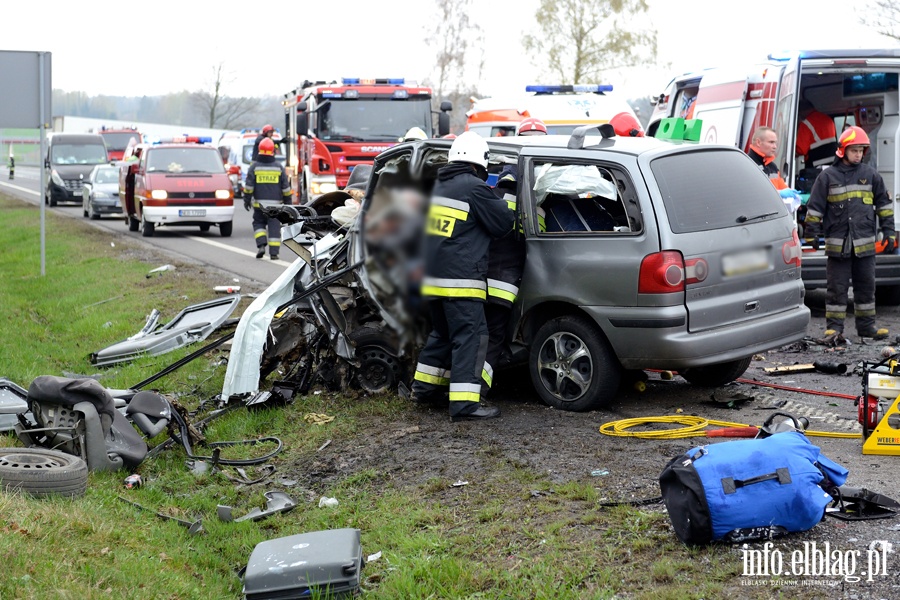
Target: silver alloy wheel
[{"x": 565, "y": 366}]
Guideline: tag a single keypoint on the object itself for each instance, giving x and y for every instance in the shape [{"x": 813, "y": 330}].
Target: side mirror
[
  {"x": 302, "y": 106},
  {"x": 443, "y": 124},
  {"x": 302, "y": 123},
  {"x": 446, "y": 106}
]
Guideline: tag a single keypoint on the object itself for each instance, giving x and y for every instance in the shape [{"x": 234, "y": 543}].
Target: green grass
[{"x": 514, "y": 535}]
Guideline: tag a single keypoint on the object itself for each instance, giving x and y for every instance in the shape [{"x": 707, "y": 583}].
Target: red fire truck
[
  {"x": 117, "y": 139},
  {"x": 335, "y": 126}
]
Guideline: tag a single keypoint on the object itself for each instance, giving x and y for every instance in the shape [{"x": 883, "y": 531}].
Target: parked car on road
[
  {"x": 176, "y": 182},
  {"x": 70, "y": 159},
  {"x": 100, "y": 194}
]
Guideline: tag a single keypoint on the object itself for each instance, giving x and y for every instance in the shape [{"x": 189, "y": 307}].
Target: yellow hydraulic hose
[{"x": 693, "y": 427}]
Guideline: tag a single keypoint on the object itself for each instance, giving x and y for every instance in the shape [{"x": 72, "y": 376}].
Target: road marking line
[
  {"x": 215, "y": 244},
  {"x": 18, "y": 187}
]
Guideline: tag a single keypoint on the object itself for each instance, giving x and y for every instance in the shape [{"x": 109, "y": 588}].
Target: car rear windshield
[{"x": 706, "y": 190}]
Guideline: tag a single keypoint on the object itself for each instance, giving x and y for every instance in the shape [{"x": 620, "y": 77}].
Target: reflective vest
[{"x": 816, "y": 140}]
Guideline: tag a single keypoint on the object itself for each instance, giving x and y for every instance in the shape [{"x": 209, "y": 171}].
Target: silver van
[{"x": 640, "y": 254}]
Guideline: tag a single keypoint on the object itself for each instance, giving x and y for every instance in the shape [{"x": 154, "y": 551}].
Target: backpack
[{"x": 748, "y": 489}]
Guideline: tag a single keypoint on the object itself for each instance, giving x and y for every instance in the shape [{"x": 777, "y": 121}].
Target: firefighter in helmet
[
  {"x": 463, "y": 217},
  {"x": 266, "y": 185},
  {"x": 531, "y": 126},
  {"x": 267, "y": 132},
  {"x": 843, "y": 205}
]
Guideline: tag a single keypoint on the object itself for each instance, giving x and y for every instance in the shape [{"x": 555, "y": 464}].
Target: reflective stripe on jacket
[
  {"x": 843, "y": 204},
  {"x": 463, "y": 217}
]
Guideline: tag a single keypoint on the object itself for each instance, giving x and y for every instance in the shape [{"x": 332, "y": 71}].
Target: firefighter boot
[
  {"x": 874, "y": 333},
  {"x": 475, "y": 411},
  {"x": 260, "y": 251}
]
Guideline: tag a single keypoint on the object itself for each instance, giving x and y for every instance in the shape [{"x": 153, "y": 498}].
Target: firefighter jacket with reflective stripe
[
  {"x": 463, "y": 217},
  {"x": 816, "y": 139},
  {"x": 506, "y": 259},
  {"x": 843, "y": 204},
  {"x": 267, "y": 183},
  {"x": 766, "y": 164}
]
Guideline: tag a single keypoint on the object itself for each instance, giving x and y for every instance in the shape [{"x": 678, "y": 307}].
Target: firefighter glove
[
  {"x": 246, "y": 203},
  {"x": 813, "y": 242},
  {"x": 890, "y": 244}
]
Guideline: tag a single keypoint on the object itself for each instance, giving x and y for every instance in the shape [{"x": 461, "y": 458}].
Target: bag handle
[{"x": 731, "y": 485}]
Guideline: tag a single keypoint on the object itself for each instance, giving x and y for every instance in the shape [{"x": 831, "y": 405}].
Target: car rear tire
[
  {"x": 205, "y": 227},
  {"x": 133, "y": 224},
  {"x": 225, "y": 228},
  {"x": 716, "y": 375},
  {"x": 40, "y": 472},
  {"x": 147, "y": 227},
  {"x": 572, "y": 365}
]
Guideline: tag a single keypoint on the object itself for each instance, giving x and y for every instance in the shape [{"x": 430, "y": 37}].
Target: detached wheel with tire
[
  {"x": 39, "y": 472},
  {"x": 572, "y": 365},
  {"x": 225, "y": 228},
  {"x": 716, "y": 375}
]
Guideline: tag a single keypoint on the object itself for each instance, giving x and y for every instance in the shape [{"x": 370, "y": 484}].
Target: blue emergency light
[
  {"x": 561, "y": 89},
  {"x": 185, "y": 139}
]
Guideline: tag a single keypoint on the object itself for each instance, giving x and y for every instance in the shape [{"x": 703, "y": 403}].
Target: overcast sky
[{"x": 152, "y": 48}]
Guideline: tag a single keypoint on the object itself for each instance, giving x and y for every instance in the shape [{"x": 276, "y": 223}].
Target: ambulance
[
  {"x": 853, "y": 87},
  {"x": 562, "y": 108}
]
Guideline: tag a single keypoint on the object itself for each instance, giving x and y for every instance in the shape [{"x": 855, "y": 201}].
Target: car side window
[{"x": 584, "y": 198}]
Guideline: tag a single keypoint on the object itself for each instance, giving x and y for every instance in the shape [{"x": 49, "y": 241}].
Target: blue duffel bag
[{"x": 733, "y": 490}]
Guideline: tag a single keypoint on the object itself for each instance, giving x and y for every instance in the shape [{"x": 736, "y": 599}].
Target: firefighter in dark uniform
[
  {"x": 267, "y": 132},
  {"x": 266, "y": 185},
  {"x": 505, "y": 265},
  {"x": 844, "y": 202},
  {"x": 463, "y": 217}
]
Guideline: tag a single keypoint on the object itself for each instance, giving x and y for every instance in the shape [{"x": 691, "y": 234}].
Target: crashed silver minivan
[{"x": 640, "y": 254}]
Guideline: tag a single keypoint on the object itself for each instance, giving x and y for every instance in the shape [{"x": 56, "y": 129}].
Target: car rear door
[{"x": 732, "y": 228}]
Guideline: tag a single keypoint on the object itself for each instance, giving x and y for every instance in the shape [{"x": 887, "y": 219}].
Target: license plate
[
  {"x": 192, "y": 213},
  {"x": 743, "y": 263}
]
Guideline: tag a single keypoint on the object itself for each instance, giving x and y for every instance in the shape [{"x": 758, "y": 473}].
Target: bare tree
[
  {"x": 580, "y": 39},
  {"x": 883, "y": 16},
  {"x": 223, "y": 111},
  {"x": 458, "y": 43}
]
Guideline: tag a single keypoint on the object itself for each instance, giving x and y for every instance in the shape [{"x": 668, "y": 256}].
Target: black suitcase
[{"x": 328, "y": 562}]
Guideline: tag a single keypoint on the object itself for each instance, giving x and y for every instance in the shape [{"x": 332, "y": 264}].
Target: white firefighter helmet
[
  {"x": 414, "y": 133},
  {"x": 471, "y": 148}
]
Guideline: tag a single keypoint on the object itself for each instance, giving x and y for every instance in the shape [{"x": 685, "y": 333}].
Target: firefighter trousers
[
  {"x": 453, "y": 354},
  {"x": 266, "y": 231},
  {"x": 839, "y": 273},
  {"x": 497, "y": 318}
]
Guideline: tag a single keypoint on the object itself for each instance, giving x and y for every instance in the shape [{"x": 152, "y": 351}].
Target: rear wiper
[{"x": 744, "y": 218}]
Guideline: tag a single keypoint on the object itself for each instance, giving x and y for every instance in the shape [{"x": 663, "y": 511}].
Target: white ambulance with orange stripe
[
  {"x": 562, "y": 108},
  {"x": 853, "y": 87}
]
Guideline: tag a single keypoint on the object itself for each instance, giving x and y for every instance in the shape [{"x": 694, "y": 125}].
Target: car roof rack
[{"x": 576, "y": 141}]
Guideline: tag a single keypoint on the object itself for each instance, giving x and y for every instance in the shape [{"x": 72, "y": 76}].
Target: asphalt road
[{"x": 235, "y": 254}]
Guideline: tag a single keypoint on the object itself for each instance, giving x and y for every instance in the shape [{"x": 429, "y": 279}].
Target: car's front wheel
[
  {"x": 147, "y": 227},
  {"x": 716, "y": 375},
  {"x": 572, "y": 365}
]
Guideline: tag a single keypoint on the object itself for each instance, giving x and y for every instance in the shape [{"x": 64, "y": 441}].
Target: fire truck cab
[
  {"x": 335, "y": 126},
  {"x": 853, "y": 87},
  {"x": 562, "y": 108},
  {"x": 118, "y": 139}
]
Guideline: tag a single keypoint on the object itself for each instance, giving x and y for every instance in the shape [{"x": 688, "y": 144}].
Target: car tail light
[
  {"x": 791, "y": 250},
  {"x": 661, "y": 273},
  {"x": 695, "y": 270}
]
